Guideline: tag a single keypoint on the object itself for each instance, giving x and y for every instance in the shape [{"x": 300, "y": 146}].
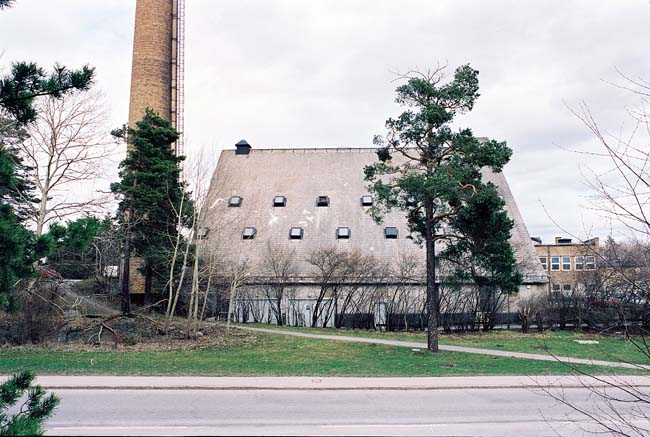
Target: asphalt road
[{"x": 459, "y": 412}]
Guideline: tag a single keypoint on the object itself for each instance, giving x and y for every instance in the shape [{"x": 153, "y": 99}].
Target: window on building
[
  {"x": 322, "y": 201},
  {"x": 580, "y": 262},
  {"x": 544, "y": 260},
  {"x": 590, "y": 263},
  {"x": 296, "y": 233},
  {"x": 556, "y": 288},
  {"x": 566, "y": 288},
  {"x": 235, "y": 201},
  {"x": 555, "y": 263},
  {"x": 343, "y": 234},
  {"x": 279, "y": 201},
  {"x": 249, "y": 233},
  {"x": 566, "y": 263},
  {"x": 391, "y": 233},
  {"x": 366, "y": 200}
]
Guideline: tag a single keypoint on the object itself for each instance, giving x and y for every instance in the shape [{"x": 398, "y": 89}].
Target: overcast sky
[{"x": 319, "y": 74}]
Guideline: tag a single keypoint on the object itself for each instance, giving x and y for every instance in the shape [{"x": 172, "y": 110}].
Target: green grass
[
  {"x": 278, "y": 355},
  {"x": 558, "y": 343}
]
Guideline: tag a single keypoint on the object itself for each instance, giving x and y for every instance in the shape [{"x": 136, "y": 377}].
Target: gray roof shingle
[{"x": 302, "y": 175}]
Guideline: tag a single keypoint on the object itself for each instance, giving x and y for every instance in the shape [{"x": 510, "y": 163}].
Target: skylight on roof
[
  {"x": 295, "y": 233},
  {"x": 235, "y": 201},
  {"x": 322, "y": 201},
  {"x": 390, "y": 233},
  {"x": 366, "y": 200},
  {"x": 343, "y": 233},
  {"x": 249, "y": 233},
  {"x": 279, "y": 201}
]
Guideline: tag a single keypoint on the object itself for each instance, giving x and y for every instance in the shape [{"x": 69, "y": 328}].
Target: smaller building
[{"x": 570, "y": 266}]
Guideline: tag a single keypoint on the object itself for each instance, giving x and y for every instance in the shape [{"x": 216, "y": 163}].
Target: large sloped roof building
[{"x": 303, "y": 200}]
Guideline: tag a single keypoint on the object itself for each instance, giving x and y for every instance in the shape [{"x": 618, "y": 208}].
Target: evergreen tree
[
  {"x": 19, "y": 247},
  {"x": 73, "y": 255},
  {"x": 436, "y": 180},
  {"x": 150, "y": 190},
  {"x": 27, "y": 81},
  {"x": 37, "y": 408}
]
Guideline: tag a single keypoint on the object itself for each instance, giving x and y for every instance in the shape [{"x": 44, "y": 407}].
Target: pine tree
[
  {"x": 150, "y": 190},
  {"x": 19, "y": 247},
  {"x": 436, "y": 180},
  {"x": 36, "y": 409},
  {"x": 26, "y": 81}
]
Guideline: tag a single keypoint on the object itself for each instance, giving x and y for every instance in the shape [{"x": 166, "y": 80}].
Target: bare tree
[
  {"x": 234, "y": 274},
  {"x": 354, "y": 290},
  {"x": 621, "y": 193},
  {"x": 178, "y": 246},
  {"x": 67, "y": 145},
  {"x": 328, "y": 263},
  {"x": 107, "y": 249},
  {"x": 198, "y": 171},
  {"x": 279, "y": 267},
  {"x": 404, "y": 296}
]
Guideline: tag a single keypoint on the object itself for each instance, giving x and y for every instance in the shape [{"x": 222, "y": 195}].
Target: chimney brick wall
[{"x": 151, "y": 73}]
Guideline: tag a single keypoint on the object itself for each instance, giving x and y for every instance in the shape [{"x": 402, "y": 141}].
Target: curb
[
  {"x": 266, "y": 388},
  {"x": 335, "y": 383}
]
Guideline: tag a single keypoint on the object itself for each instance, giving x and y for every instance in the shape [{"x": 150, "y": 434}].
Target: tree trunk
[
  {"x": 42, "y": 212},
  {"x": 126, "y": 298},
  {"x": 231, "y": 303},
  {"x": 148, "y": 279},
  {"x": 432, "y": 288}
]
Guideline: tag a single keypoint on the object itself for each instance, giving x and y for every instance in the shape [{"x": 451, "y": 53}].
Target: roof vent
[
  {"x": 279, "y": 201},
  {"x": 390, "y": 233},
  {"x": 561, "y": 240},
  {"x": 242, "y": 148},
  {"x": 343, "y": 233},
  {"x": 235, "y": 201},
  {"x": 536, "y": 240},
  {"x": 322, "y": 201},
  {"x": 295, "y": 233},
  {"x": 249, "y": 233}
]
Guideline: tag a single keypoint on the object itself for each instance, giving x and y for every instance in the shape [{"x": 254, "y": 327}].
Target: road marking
[
  {"x": 385, "y": 425},
  {"x": 69, "y": 428}
]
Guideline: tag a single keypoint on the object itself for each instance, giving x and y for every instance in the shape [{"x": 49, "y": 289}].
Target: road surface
[{"x": 467, "y": 412}]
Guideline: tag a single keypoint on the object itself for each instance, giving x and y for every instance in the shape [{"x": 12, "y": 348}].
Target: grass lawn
[
  {"x": 267, "y": 354},
  {"x": 558, "y": 343}
]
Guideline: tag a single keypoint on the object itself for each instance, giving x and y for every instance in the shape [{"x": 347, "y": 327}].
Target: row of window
[
  {"x": 297, "y": 233},
  {"x": 565, "y": 263},
  {"x": 281, "y": 201},
  {"x": 568, "y": 288}
]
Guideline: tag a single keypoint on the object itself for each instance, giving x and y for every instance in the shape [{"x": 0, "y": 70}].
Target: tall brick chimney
[{"x": 153, "y": 49}]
